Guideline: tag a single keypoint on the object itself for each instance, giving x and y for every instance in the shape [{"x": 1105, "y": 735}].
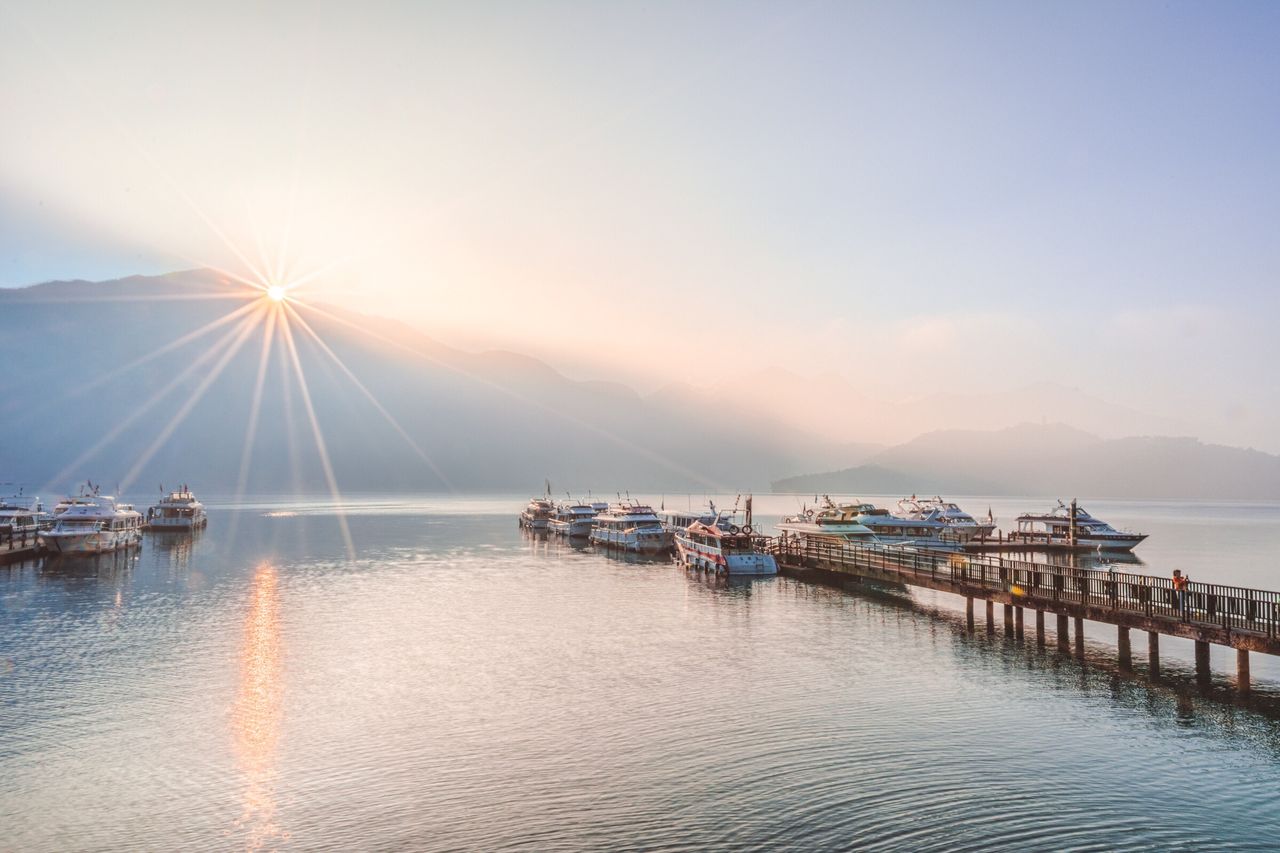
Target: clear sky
[{"x": 922, "y": 197}]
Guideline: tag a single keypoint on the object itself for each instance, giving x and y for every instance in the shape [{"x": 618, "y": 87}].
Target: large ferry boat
[
  {"x": 724, "y": 547},
  {"x": 830, "y": 522},
  {"x": 960, "y": 526},
  {"x": 573, "y": 519},
  {"x": 631, "y": 526},
  {"x": 94, "y": 524},
  {"x": 1055, "y": 528},
  {"x": 177, "y": 511}
]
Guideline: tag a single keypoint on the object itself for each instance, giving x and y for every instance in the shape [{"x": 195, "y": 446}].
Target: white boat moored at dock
[
  {"x": 1071, "y": 527},
  {"x": 573, "y": 519},
  {"x": 177, "y": 511},
  {"x": 632, "y": 527},
  {"x": 94, "y": 524},
  {"x": 959, "y": 527},
  {"x": 723, "y": 546},
  {"x": 830, "y": 523}
]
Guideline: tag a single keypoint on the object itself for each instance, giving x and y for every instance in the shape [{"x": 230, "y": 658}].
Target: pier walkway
[
  {"x": 1244, "y": 619},
  {"x": 19, "y": 546}
]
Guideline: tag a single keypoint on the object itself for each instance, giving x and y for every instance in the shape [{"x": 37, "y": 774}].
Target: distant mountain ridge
[
  {"x": 489, "y": 421},
  {"x": 79, "y": 374},
  {"x": 1039, "y": 459}
]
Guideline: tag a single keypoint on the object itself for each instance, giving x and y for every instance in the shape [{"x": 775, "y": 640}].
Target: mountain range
[
  {"x": 1054, "y": 459},
  {"x": 114, "y": 381}
]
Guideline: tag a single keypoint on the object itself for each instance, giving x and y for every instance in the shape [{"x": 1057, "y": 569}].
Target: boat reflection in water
[{"x": 258, "y": 709}]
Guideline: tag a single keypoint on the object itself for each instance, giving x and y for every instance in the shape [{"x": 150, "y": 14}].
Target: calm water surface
[{"x": 461, "y": 686}]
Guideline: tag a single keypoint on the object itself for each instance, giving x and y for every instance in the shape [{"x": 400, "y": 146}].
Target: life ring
[
  {"x": 746, "y": 528},
  {"x": 733, "y": 528}
]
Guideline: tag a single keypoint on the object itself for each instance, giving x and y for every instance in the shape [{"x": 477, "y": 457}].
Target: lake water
[{"x": 460, "y": 685}]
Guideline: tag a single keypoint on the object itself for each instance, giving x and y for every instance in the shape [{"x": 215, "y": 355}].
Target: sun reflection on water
[{"x": 257, "y": 713}]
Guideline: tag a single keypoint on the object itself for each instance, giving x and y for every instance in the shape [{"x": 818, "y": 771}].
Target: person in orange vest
[{"x": 1180, "y": 590}]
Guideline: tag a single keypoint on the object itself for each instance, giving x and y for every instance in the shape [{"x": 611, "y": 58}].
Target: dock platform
[
  {"x": 1247, "y": 620},
  {"x": 15, "y": 547}
]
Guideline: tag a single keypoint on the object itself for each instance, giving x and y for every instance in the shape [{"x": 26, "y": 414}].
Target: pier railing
[
  {"x": 1219, "y": 605},
  {"x": 17, "y": 540}
]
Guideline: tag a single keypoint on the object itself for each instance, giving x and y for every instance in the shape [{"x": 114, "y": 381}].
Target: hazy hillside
[
  {"x": 1034, "y": 459},
  {"x": 488, "y": 421},
  {"x": 825, "y": 403}
]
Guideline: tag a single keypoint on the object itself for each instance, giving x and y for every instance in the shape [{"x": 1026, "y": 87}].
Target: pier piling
[
  {"x": 1202, "y": 661},
  {"x": 1247, "y": 620}
]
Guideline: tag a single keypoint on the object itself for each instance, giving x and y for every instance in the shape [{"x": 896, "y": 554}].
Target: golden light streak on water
[
  {"x": 318, "y": 434},
  {"x": 422, "y": 454},
  {"x": 258, "y": 710}
]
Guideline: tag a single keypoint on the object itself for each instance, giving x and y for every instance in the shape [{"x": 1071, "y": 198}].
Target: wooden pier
[
  {"x": 19, "y": 546},
  {"x": 1247, "y": 620}
]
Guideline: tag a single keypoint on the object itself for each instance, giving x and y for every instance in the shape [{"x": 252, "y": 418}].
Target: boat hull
[
  {"x": 574, "y": 529},
  {"x": 176, "y": 525},
  {"x": 710, "y": 559},
  {"x": 95, "y": 542},
  {"x": 640, "y": 542}
]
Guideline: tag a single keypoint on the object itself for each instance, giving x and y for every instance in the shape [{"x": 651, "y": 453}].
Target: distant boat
[
  {"x": 93, "y": 524},
  {"x": 723, "y": 546},
  {"x": 1054, "y": 528},
  {"x": 537, "y": 514},
  {"x": 177, "y": 511},
  {"x": 959, "y": 526},
  {"x": 573, "y": 519},
  {"x": 631, "y": 526},
  {"x": 830, "y": 523},
  {"x": 677, "y": 520},
  {"x": 22, "y": 516}
]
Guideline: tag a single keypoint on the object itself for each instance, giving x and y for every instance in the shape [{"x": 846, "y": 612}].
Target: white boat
[
  {"x": 22, "y": 516},
  {"x": 677, "y": 520},
  {"x": 537, "y": 513},
  {"x": 177, "y": 511},
  {"x": 573, "y": 519},
  {"x": 830, "y": 523},
  {"x": 959, "y": 526},
  {"x": 631, "y": 526},
  {"x": 1055, "y": 528},
  {"x": 723, "y": 546},
  {"x": 94, "y": 524}
]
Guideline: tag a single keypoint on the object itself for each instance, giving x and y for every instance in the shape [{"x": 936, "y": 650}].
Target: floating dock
[{"x": 1247, "y": 620}]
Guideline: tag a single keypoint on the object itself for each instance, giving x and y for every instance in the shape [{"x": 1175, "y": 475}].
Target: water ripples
[{"x": 460, "y": 687}]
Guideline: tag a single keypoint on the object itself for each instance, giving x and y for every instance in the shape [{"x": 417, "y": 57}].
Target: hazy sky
[{"x": 921, "y": 197}]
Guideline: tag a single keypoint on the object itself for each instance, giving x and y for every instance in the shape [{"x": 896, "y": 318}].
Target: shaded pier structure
[
  {"x": 1247, "y": 620},
  {"x": 18, "y": 546}
]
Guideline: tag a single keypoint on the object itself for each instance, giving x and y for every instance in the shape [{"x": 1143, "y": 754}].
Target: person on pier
[{"x": 1180, "y": 591}]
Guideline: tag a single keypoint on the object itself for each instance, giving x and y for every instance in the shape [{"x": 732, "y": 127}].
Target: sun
[{"x": 276, "y": 293}]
